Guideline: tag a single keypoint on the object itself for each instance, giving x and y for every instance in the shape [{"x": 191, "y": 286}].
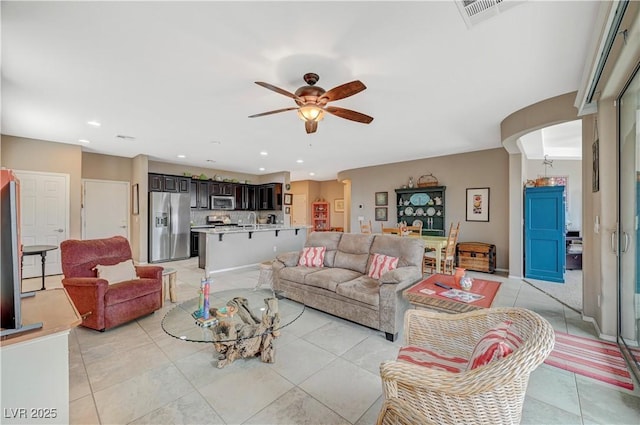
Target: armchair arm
[
  {"x": 410, "y": 273},
  {"x": 87, "y": 294},
  {"x": 149, "y": 272},
  {"x": 289, "y": 259}
]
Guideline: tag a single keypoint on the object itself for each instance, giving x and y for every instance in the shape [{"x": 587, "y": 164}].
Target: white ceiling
[
  {"x": 179, "y": 77},
  {"x": 560, "y": 141}
]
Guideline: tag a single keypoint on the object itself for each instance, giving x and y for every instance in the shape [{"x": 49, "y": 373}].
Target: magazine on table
[{"x": 464, "y": 296}]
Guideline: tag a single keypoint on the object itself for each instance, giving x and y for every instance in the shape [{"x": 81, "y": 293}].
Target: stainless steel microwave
[{"x": 223, "y": 203}]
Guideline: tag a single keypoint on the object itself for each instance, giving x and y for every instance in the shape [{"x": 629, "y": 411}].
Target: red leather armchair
[{"x": 104, "y": 306}]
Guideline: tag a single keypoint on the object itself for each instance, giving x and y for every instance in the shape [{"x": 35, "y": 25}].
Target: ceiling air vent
[
  {"x": 475, "y": 11},
  {"x": 124, "y": 137}
]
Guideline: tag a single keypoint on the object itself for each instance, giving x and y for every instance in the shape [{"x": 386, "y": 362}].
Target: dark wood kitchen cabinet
[
  {"x": 195, "y": 238},
  {"x": 222, "y": 189},
  {"x": 200, "y": 194},
  {"x": 167, "y": 183},
  {"x": 245, "y": 195},
  {"x": 270, "y": 196}
]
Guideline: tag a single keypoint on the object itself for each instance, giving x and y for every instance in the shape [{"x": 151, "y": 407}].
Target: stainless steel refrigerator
[{"x": 169, "y": 226}]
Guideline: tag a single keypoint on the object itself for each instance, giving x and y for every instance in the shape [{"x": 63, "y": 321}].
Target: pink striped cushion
[
  {"x": 380, "y": 264},
  {"x": 312, "y": 256},
  {"x": 431, "y": 359},
  {"x": 496, "y": 343}
]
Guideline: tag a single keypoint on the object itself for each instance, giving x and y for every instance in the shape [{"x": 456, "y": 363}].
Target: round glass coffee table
[{"x": 258, "y": 317}]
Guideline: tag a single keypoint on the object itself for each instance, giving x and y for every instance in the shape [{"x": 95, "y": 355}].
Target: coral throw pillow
[
  {"x": 496, "y": 343},
  {"x": 380, "y": 264},
  {"x": 312, "y": 256},
  {"x": 118, "y": 272},
  {"x": 432, "y": 359}
]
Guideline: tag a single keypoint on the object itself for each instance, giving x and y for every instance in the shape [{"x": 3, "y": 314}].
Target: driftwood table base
[{"x": 249, "y": 336}]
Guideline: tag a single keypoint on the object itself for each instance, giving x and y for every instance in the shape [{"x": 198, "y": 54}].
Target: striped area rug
[{"x": 593, "y": 358}]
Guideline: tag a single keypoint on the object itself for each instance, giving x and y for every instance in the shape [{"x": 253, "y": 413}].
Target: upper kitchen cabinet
[
  {"x": 200, "y": 194},
  {"x": 222, "y": 188},
  {"x": 245, "y": 195},
  {"x": 270, "y": 196},
  {"x": 165, "y": 183}
]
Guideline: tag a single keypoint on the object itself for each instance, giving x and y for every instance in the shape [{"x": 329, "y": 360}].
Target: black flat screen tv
[{"x": 10, "y": 273}]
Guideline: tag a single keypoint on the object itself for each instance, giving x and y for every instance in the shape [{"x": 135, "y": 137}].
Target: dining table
[{"x": 438, "y": 243}]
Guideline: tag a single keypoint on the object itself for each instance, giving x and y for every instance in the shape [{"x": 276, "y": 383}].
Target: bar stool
[{"x": 266, "y": 275}]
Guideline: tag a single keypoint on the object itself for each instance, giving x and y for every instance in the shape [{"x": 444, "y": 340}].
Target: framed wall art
[
  {"x": 287, "y": 210},
  {"x": 288, "y": 199},
  {"x": 595, "y": 182},
  {"x": 382, "y": 199},
  {"x": 478, "y": 204},
  {"x": 338, "y": 205},
  {"x": 381, "y": 213}
]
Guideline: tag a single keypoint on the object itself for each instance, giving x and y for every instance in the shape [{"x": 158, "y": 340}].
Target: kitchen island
[{"x": 224, "y": 249}]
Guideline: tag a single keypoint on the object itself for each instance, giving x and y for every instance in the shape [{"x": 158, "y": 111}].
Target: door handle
[
  {"x": 626, "y": 241},
  {"x": 123, "y": 227},
  {"x": 59, "y": 230},
  {"x": 613, "y": 243}
]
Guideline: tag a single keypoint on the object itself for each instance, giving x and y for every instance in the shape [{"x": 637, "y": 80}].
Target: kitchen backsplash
[{"x": 199, "y": 217}]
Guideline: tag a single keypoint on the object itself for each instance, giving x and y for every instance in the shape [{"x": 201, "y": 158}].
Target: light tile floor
[{"x": 326, "y": 370}]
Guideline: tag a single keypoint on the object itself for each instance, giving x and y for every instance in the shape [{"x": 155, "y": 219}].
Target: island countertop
[
  {"x": 248, "y": 228},
  {"x": 223, "y": 249}
]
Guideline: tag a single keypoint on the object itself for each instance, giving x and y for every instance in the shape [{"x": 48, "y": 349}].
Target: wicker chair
[
  {"x": 396, "y": 411},
  {"x": 491, "y": 394}
]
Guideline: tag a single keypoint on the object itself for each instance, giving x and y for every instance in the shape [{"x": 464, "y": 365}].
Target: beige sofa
[{"x": 343, "y": 288}]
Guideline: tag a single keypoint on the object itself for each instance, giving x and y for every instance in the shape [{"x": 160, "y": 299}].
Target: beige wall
[
  {"x": 328, "y": 190},
  {"x": 106, "y": 167},
  {"x": 20, "y": 153},
  {"x": 487, "y": 168}
]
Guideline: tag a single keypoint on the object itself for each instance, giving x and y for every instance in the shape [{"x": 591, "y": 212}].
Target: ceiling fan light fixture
[{"x": 310, "y": 112}]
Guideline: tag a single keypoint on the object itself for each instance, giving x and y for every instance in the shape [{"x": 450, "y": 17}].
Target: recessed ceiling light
[
  {"x": 94, "y": 123},
  {"x": 312, "y": 174},
  {"x": 299, "y": 161},
  {"x": 83, "y": 141},
  {"x": 263, "y": 153},
  {"x": 182, "y": 156},
  {"x": 261, "y": 168}
]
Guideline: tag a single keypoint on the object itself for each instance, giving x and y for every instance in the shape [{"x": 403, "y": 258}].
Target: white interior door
[
  {"x": 105, "y": 207},
  {"x": 44, "y": 218},
  {"x": 299, "y": 210}
]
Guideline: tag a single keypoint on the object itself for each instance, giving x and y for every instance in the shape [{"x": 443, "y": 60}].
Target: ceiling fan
[{"x": 312, "y": 101}]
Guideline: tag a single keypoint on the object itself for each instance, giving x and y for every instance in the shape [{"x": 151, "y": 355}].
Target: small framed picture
[
  {"x": 288, "y": 199},
  {"x": 287, "y": 210},
  {"x": 478, "y": 204},
  {"x": 381, "y": 213},
  {"x": 382, "y": 199},
  {"x": 338, "y": 205}
]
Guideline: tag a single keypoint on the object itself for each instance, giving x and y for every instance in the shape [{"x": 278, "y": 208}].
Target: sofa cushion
[
  {"x": 410, "y": 251},
  {"x": 380, "y": 264},
  {"x": 330, "y": 278},
  {"x": 129, "y": 290},
  {"x": 364, "y": 289},
  {"x": 330, "y": 240},
  {"x": 312, "y": 256},
  {"x": 496, "y": 343},
  {"x": 117, "y": 272},
  {"x": 297, "y": 273},
  {"x": 432, "y": 359},
  {"x": 353, "y": 252}
]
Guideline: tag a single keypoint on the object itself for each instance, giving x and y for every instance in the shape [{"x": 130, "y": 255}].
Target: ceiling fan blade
[
  {"x": 311, "y": 126},
  {"x": 278, "y": 90},
  {"x": 273, "y": 112},
  {"x": 345, "y": 90},
  {"x": 349, "y": 114}
]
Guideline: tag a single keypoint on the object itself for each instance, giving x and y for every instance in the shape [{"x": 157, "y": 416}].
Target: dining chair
[
  {"x": 391, "y": 230},
  {"x": 414, "y": 230},
  {"x": 365, "y": 227},
  {"x": 448, "y": 255}
]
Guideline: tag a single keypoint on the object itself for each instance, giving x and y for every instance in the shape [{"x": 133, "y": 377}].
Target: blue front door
[{"x": 544, "y": 231}]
